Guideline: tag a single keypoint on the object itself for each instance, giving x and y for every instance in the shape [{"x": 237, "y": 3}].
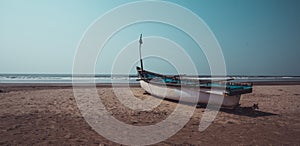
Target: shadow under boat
[{"x": 247, "y": 111}]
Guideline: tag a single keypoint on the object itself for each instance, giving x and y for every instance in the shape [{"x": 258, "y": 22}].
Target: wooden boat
[{"x": 191, "y": 89}]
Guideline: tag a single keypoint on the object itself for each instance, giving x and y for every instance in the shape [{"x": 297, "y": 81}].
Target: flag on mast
[{"x": 141, "y": 41}]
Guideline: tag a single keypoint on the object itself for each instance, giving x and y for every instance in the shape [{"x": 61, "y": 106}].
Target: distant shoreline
[
  {"x": 7, "y": 87},
  {"x": 256, "y": 83}
]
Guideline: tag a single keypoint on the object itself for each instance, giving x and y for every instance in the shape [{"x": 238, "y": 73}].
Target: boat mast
[{"x": 141, "y": 42}]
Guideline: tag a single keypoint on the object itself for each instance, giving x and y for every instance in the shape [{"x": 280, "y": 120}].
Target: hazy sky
[{"x": 258, "y": 37}]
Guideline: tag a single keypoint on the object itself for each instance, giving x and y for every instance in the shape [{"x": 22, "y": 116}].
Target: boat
[{"x": 190, "y": 89}]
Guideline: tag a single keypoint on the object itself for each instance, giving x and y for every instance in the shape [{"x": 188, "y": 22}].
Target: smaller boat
[{"x": 191, "y": 89}]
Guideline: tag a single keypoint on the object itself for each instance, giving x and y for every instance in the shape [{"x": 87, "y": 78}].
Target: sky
[{"x": 257, "y": 37}]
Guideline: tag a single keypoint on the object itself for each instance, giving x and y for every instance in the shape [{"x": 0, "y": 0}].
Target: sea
[
  {"x": 131, "y": 79},
  {"x": 67, "y": 78}
]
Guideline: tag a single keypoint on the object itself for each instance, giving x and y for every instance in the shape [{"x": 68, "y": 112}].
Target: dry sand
[{"x": 49, "y": 116}]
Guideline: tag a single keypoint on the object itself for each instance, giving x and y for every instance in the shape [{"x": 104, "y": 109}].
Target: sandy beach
[{"x": 49, "y": 116}]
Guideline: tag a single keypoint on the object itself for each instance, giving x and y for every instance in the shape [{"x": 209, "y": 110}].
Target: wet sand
[{"x": 48, "y": 115}]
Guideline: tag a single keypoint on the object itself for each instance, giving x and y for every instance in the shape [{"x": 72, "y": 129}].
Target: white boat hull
[{"x": 191, "y": 95}]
